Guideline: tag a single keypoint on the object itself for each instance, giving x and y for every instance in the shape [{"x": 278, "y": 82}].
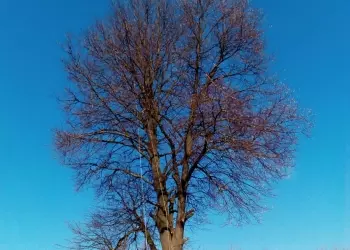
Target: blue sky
[{"x": 310, "y": 40}]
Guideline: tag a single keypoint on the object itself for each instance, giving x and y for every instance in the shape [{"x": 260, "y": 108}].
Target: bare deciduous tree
[{"x": 182, "y": 87}]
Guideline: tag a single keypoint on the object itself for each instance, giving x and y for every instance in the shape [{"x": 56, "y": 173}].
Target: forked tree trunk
[
  {"x": 174, "y": 241},
  {"x": 171, "y": 236}
]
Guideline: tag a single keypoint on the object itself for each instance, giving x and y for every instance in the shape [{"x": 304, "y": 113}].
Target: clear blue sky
[{"x": 310, "y": 40}]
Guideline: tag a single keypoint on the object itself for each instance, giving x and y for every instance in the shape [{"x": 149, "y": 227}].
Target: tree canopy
[{"x": 172, "y": 114}]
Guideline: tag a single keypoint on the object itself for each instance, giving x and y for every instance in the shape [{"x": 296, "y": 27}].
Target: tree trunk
[
  {"x": 172, "y": 238},
  {"x": 173, "y": 241}
]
